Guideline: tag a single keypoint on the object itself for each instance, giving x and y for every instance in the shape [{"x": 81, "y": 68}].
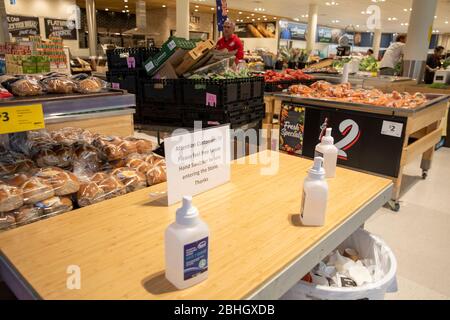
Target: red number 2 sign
[{"x": 351, "y": 133}]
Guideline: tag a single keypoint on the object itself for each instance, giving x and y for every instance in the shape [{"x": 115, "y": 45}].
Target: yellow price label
[{"x": 21, "y": 118}]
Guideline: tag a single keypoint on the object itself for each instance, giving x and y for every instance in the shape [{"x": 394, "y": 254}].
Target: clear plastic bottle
[
  {"x": 315, "y": 196},
  {"x": 187, "y": 247},
  {"x": 329, "y": 153}
]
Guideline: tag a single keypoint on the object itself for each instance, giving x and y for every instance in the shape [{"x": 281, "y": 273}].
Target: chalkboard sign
[
  {"x": 21, "y": 26},
  {"x": 292, "y": 122},
  {"x": 60, "y": 28}
]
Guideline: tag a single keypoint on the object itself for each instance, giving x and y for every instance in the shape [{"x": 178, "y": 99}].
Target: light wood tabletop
[{"x": 119, "y": 244}]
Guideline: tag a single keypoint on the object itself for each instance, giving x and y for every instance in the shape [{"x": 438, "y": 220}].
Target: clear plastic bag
[
  {"x": 132, "y": 180},
  {"x": 90, "y": 85},
  {"x": 27, "y": 87},
  {"x": 58, "y": 85}
]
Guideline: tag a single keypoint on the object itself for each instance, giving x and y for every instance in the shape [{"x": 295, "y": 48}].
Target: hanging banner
[
  {"x": 222, "y": 13},
  {"x": 21, "y": 26},
  {"x": 60, "y": 28}
]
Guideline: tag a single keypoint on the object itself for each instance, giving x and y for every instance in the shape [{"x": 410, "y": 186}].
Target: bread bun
[
  {"x": 89, "y": 193},
  {"x": 10, "y": 198},
  {"x": 112, "y": 187},
  {"x": 26, "y": 87},
  {"x": 17, "y": 180},
  {"x": 46, "y": 157},
  {"x": 132, "y": 179},
  {"x": 7, "y": 221},
  {"x": 59, "y": 85},
  {"x": 35, "y": 190},
  {"x": 144, "y": 146},
  {"x": 89, "y": 86},
  {"x": 99, "y": 177},
  {"x": 139, "y": 165},
  {"x": 118, "y": 163},
  {"x": 27, "y": 214},
  {"x": 157, "y": 174},
  {"x": 7, "y": 168},
  {"x": 128, "y": 147},
  {"x": 154, "y": 159},
  {"x": 26, "y": 166},
  {"x": 55, "y": 205},
  {"x": 63, "y": 182},
  {"x": 65, "y": 155}
]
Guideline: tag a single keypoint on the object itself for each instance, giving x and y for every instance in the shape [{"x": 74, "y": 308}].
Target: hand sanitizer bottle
[
  {"x": 315, "y": 196},
  {"x": 187, "y": 247},
  {"x": 328, "y": 152}
]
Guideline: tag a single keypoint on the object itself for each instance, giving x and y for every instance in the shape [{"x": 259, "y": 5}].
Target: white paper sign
[
  {"x": 197, "y": 162},
  {"x": 393, "y": 129}
]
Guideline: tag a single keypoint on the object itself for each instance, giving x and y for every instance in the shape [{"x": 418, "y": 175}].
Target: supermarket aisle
[{"x": 419, "y": 234}]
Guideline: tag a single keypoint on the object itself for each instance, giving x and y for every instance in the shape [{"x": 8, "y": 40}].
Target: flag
[{"x": 222, "y": 13}]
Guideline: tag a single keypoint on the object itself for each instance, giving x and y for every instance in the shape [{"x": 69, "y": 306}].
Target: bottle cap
[
  {"x": 328, "y": 138},
  {"x": 187, "y": 214},
  {"x": 317, "y": 170}
]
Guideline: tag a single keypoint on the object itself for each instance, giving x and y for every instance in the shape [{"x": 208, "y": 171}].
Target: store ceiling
[{"x": 346, "y": 13}]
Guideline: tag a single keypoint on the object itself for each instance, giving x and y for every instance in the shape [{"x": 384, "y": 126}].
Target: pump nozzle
[
  {"x": 187, "y": 202},
  {"x": 317, "y": 169},
  {"x": 327, "y": 138},
  {"x": 318, "y": 161},
  {"x": 328, "y": 132},
  {"x": 187, "y": 214}
]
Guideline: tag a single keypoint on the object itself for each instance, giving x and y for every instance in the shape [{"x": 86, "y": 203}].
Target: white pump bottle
[
  {"x": 315, "y": 196},
  {"x": 329, "y": 153},
  {"x": 187, "y": 247}
]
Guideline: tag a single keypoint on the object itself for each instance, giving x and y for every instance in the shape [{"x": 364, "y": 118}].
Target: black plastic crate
[
  {"x": 160, "y": 113},
  {"x": 124, "y": 79},
  {"x": 258, "y": 113},
  {"x": 246, "y": 89},
  {"x": 240, "y": 106},
  {"x": 277, "y": 86},
  {"x": 118, "y": 59},
  {"x": 209, "y": 92},
  {"x": 161, "y": 91},
  {"x": 258, "y": 87}
]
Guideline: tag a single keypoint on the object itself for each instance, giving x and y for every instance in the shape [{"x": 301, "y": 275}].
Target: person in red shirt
[{"x": 230, "y": 41}]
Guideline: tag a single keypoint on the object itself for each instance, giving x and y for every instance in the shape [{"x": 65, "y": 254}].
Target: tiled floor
[{"x": 419, "y": 234}]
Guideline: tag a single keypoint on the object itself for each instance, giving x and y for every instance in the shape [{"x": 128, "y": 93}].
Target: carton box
[
  {"x": 194, "y": 56},
  {"x": 167, "y": 71},
  {"x": 173, "y": 49}
]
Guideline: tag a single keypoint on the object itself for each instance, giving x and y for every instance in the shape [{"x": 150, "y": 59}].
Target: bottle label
[
  {"x": 195, "y": 258},
  {"x": 303, "y": 204},
  {"x": 318, "y": 154}
]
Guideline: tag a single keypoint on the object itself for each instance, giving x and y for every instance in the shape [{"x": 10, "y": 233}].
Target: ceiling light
[
  {"x": 240, "y": 12},
  {"x": 212, "y": 8},
  {"x": 125, "y": 0},
  {"x": 252, "y": 14},
  {"x": 253, "y": 19},
  {"x": 275, "y": 18},
  {"x": 126, "y": 6},
  {"x": 332, "y": 3},
  {"x": 127, "y": 10},
  {"x": 163, "y": 5},
  {"x": 196, "y": 6},
  {"x": 259, "y": 19},
  {"x": 406, "y": 10},
  {"x": 435, "y": 17},
  {"x": 123, "y": 11},
  {"x": 357, "y": 25},
  {"x": 296, "y": 19},
  {"x": 106, "y": 9},
  {"x": 264, "y": 16},
  {"x": 196, "y": 10},
  {"x": 265, "y": 19},
  {"x": 248, "y": 17},
  {"x": 446, "y": 22}
]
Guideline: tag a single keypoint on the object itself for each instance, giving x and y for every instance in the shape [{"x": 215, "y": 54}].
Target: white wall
[
  {"x": 271, "y": 44},
  {"x": 57, "y": 9}
]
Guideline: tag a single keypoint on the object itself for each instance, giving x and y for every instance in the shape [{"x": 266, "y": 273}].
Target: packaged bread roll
[
  {"x": 89, "y": 85},
  {"x": 59, "y": 85},
  {"x": 65, "y": 155},
  {"x": 128, "y": 147},
  {"x": 46, "y": 157},
  {"x": 112, "y": 187},
  {"x": 63, "y": 182},
  {"x": 55, "y": 205},
  {"x": 89, "y": 193},
  {"x": 27, "y": 214},
  {"x": 10, "y": 198},
  {"x": 35, "y": 190},
  {"x": 7, "y": 221},
  {"x": 7, "y": 168},
  {"x": 142, "y": 145},
  {"x": 153, "y": 159},
  {"x": 139, "y": 165},
  {"x": 157, "y": 174},
  {"x": 17, "y": 180},
  {"x": 131, "y": 179},
  {"x": 26, "y": 87},
  {"x": 25, "y": 165}
]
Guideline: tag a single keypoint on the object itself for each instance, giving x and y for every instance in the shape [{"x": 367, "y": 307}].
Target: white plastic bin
[{"x": 368, "y": 247}]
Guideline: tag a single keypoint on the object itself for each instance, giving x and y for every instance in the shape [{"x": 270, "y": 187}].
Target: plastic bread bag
[
  {"x": 7, "y": 221},
  {"x": 99, "y": 187},
  {"x": 4, "y": 94},
  {"x": 36, "y": 189},
  {"x": 112, "y": 187},
  {"x": 63, "y": 182},
  {"x": 89, "y": 193},
  {"x": 58, "y": 85},
  {"x": 109, "y": 147},
  {"x": 132, "y": 179},
  {"x": 54, "y": 206},
  {"x": 86, "y": 159},
  {"x": 12, "y": 162},
  {"x": 11, "y": 197},
  {"x": 143, "y": 146},
  {"x": 157, "y": 174},
  {"x": 90, "y": 85},
  {"x": 26, "y": 214},
  {"x": 27, "y": 87}
]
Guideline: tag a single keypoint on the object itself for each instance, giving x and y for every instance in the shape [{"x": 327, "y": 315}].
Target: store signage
[
  {"x": 393, "y": 129},
  {"x": 197, "y": 161},
  {"x": 21, "y": 118},
  {"x": 292, "y": 30},
  {"x": 324, "y": 34},
  {"x": 291, "y": 129},
  {"x": 256, "y": 30},
  {"x": 21, "y": 26},
  {"x": 60, "y": 28}
]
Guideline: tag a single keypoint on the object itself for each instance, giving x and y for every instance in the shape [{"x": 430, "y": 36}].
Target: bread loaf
[
  {"x": 10, "y": 198},
  {"x": 142, "y": 145},
  {"x": 132, "y": 179},
  {"x": 89, "y": 193},
  {"x": 35, "y": 190}
]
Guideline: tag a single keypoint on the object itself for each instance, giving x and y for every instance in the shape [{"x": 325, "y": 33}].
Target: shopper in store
[
  {"x": 433, "y": 64},
  {"x": 230, "y": 41},
  {"x": 369, "y": 53},
  {"x": 393, "y": 56}
]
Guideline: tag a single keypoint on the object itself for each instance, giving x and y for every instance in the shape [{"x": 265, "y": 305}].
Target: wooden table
[{"x": 257, "y": 247}]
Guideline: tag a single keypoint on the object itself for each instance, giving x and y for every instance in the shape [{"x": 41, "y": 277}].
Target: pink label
[
  {"x": 115, "y": 85},
  {"x": 131, "y": 62},
  {"x": 211, "y": 99}
]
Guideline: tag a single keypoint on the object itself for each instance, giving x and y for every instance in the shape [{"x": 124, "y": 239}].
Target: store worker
[
  {"x": 433, "y": 64},
  {"x": 393, "y": 55},
  {"x": 230, "y": 41}
]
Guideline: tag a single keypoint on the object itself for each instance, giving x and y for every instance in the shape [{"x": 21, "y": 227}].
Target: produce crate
[
  {"x": 160, "y": 113},
  {"x": 258, "y": 87},
  {"x": 258, "y": 112},
  {"x": 246, "y": 89},
  {"x": 119, "y": 59},
  {"x": 279, "y": 86},
  {"x": 209, "y": 92},
  {"x": 161, "y": 91},
  {"x": 214, "y": 117},
  {"x": 124, "y": 79}
]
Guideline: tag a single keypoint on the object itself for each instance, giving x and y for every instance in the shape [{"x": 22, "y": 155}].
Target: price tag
[
  {"x": 115, "y": 85},
  {"x": 211, "y": 100},
  {"x": 393, "y": 129},
  {"x": 21, "y": 118},
  {"x": 131, "y": 63}
]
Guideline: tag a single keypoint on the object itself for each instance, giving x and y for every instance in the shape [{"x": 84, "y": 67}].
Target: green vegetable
[
  {"x": 369, "y": 64},
  {"x": 439, "y": 86}
]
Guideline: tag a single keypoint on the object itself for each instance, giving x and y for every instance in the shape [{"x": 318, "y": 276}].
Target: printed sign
[
  {"x": 292, "y": 30},
  {"x": 256, "y": 30},
  {"x": 197, "y": 161},
  {"x": 21, "y": 26},
  {"x": 211, "y": 99},
  {"x": 393, "y": 129},
  {"x": 21, "y": 118},
  {"x": 291, "y": 129},
  {"x": 65, "y": 29}
]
